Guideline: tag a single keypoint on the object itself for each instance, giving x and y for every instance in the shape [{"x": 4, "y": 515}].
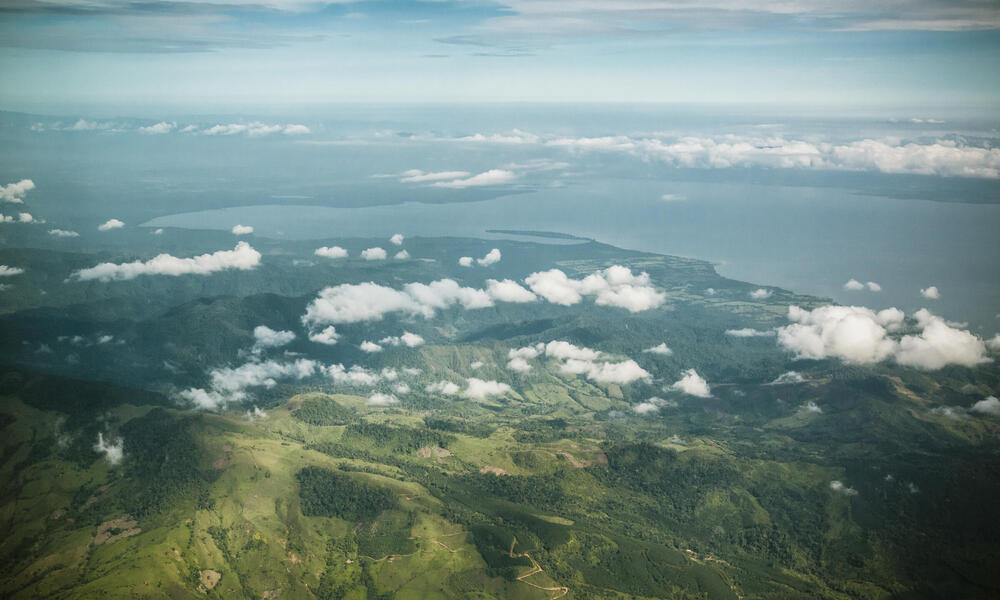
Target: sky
[{"x": 68, "y": 55}]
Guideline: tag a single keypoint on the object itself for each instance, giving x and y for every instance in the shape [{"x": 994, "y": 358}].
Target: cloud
[
  {"x": 370, "y": 347},
  {"x": 443, "y": 387},
  {"x": 63, "y": 233},
  {"x": 401, "y": 388},
  {"x": 660, "y": 349},
  {"x": 110, "y": 224},
  {"x": 692, "y": 384},
  {"x": 158, "y": 129},
  {"x": 14, "y": 192},
  {"x": 113, "y": 452},
  {"x": 614, "y": 286},
  {"x": 811, "y": 407},
  {"x": 508, "y": 291},
  {"x": 397, "y": 239},
  {"x": 478, "y": 389},
  {"x": 519, "y": 365},
  {"x": 994, "y": 342},
  {"x": 243, "y": 257},
  {"x": 331, "y": 252},
  {"x": 747, "y": 332},
  {"x": 445, "y": 292},
  {"x": 410, "y": 340},
  {"x": 380, "y": 399},
  {"x": 839, "y": 488},
  {"x": 327, "y": 336},
  {"x": 987, "y": 406},
  {"x": 488, "y": 178},
  {"x": 402, "y": 255},
  {"x": 788, "y": 377},
  {"x": 491, "y": 258},
  {"x": 242, "y": 229},
  {"x": 476, "y": 364},
  {"x": 854, "y": 285},
  {"x": 255, "y": 129},
  {"x": 931, "y": 293},
  {"x": 760, "y": 294},
  {"x": 6, "y": 271},
  {"x": 873, "y": 287},
  {"x": 356, "y": 376},
  {"x": 230, "y": 384},
  {"x": 418, "y": 176},
  {"x": 623, "y": 372},
  {"x": 939, "y": 344},
  {"x": 653, "y": 405},
  {"x": 373, "y": 254},
  {"x": 265, "y": 337},
  {"x": 565, "y": 351},
  {"x": 465, "y": 261}
]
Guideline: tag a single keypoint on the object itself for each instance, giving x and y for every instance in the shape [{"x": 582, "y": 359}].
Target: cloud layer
[{"x": 242, "y": 257}]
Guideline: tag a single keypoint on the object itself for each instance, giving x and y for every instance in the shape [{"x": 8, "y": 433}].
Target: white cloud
[
  {"x": 401, "y": 388},
  {"x": 854, "y": 285},
  {"x": 374, "y": 254},
  {"x": 660, "y": 349},
  {"x": 747, "y": 332},
  {"x": 445, "y": 292},
  {"x": 626, "y": 371},
  {"x": 465, "y": 261},
  {"x": 63, "y": 233},
  {"x": 987, "y": 406},
  {"x": 931, "y": 293},
  {"x": 110, "y": 224},
  {"x": 255, "y": 129},
  {"x": 443, "y": 387},
  {"x": 565, "y": 351},
  {"x": 296, "y": 130},
  {"x": 410, "y": 340},
  {"x": 994, "y": 342},
  {"x": 476, "y": 364},
  {"x": 692, "y": 384},
  {"x": 242, "y": 257},
  {"x": 327, "y": 336},
  {"x": 397, "y": 239},
  {"x": 6, "y": 271},
  {"x": 492, "y": 257},
  {"x": 370, "y": 347},
  {"x": 230, "y": 384},
  {"x": 811, "y": 407},
  {"x": 418, "y": 176},
  {"x": 159, "y": 128},
  {"x": 478, "y": 389},
  {"x": 760, "y": 294},
  {"x": 380, "y": 399},
  {"x": 614, "y": 286},
  {"x": 840, "y": 488},
  {"x": 357, "y": 375},
  {"x": 508, "y": 291},
  {"x": 265, "y": 337},
  {"x": 242, "y": 229},
  {"x": 14, "y": 192},
  {"x": 113, "y": 452},
  {"x": 158, "y": 231},
  {"x": 939, "y": 344},
  {"x": 488, "y": 178},
  {"x": 331, "y": 252},
  {"x": 873, "y": 287},
  {"x": 653, "y": 405},
  {"x": 519, "y": 365},
  {"x": 789, "y": 377},
  {"x": 402, "y": 255}
]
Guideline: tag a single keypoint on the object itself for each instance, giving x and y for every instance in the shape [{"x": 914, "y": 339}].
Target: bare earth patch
[
  {"x": 494, "y": 470},
  {"x": 209, "y": 579},
  {"x": 116, "y": 529},
  {"x": 220, "y": 463},
  {"x": 433, "y": 451}
]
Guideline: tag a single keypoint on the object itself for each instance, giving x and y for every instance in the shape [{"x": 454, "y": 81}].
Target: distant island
[{"x": 541, "y": 234}]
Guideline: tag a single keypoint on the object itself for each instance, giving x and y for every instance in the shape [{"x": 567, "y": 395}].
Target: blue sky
[{"x": 65, "y": 54}]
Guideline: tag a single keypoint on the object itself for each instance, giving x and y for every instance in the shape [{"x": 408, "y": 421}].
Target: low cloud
[
  {"x": 478, "y": 389},
  {"x": 255, "y": 129},
  {"x": 518, "y": 357},
  {"x": 327, "y": 336},
  {"x": 158, "y": 129},
  {"x": 760, "y": 294},
  {"x": 410, "y": 340},
  {"x": 231, "y": 384},
  {"x": 939, "y": 344},
  {"x": 418, "y": 176},
  {"x": 370, "y": 347},
  {"x": 443, "y": 387},
  {"x": 660, "y": 349},
  {"x": 110, "y": 224},
  {"x": 331, "y": 252},
  {"x": 397, "y": 239},
  {"x": 380, "y": 399},
  {"x": 491, "y": 258},
  {"x": 854, "y": 285},
  {"x": 356, "y": 376},
  {"x": 614, "y": 286},
  {"x": 653, "y": 405},
  {"x": 113, "y": 452},
  {"x": 488, "y": 178},
  {"x": 747, "y": 332},
  {"x": 374, "y": 254},
  {"x": 243, "y": 257},
  {"x": 242, "y": 229},
  {"x": 839, "y": 488},
  {"x": 508, "y": 291},
  {"x": 811, "y": 407},
  {"x": 788, "y": 377},
  {"x": 63, "y": 233},
  {"x": 402, "y": 255},
  {"x": 265, "y": 337},
  {"x": 692, "y": 384},
  {"x": 465, "y": 261},
  {"x": 987, "y": 406},
  {"x": 931, "y": 293},
  {"x": 6, "y": 271},
  {"x": 14, "y": 192}
]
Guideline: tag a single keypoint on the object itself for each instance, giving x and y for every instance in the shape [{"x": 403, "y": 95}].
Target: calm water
[{"x": 811, "y": 240}]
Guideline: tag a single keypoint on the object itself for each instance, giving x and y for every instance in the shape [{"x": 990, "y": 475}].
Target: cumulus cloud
[
  {"x": 370, "y": 347},
  {"x": 401, "y": 388},
  {"x": 418, "y": 176},
  {"x": 747, "y": 332},
  {"x": 374, "y": 254},
  {"x": 626, "y": 371},
  {"x": 854, "y": 285},
  {"x": 255, "y": 129},
  {"x": 653, "y": 405},
  {"x": 265, "y": 337},
  {"x": 760, "y": 294},
  {"x": 487, "y": 178},
  {"x": 110, "y": 224},
  {"x": 443, "y": 387},
  {"x": 63, "y": 233},
  {"x": 939, "y": 344},
  {"x": 519, "y": 365},
  {"x": 994, "y": 342},
  {"x": 476, "y": 364},
  {"x": 410, "y": 340},
  {"x": 478, "y": 389},
  {"x": 660, "y": 349},
  {"x": 788, "y": 377},
  {"x": 931, "y": 293},
  {"x": 465, "y": 261},
  {"x": 356, "y": 376},
  {"x": 692, "y": 384},
  {"x": 987, "y": 406},
  {"x": 6, "y": 271},
  {"x": 614, "y": 286},
  {"x": 230, "y": 384},
  {"x": 402, "y": 255},
  {"x": 397, "y": 239},
  {"x": 14, "y": 192},
  {"x": 508, "y": 291},
  {"x": 810, "y": 407},
  {"x": 565, "y": 351},
  {"x": 243, "y": 257},
  {"x": 518, "y": 357},
  {"x": 445, "y": 292},
  {"x": 113, "y": 452},
  {"x": 242, "y": 229},
  {"x": 158, "y": 129},
  {"x": 873, "y": 287},
  {"x": 327, "y": 336},
  {"x": 491, "y": 258},
  {"x": 380, "y": 399},
  {"x": 331, "y": 252},
  {"x": 839, "y": 488}
]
